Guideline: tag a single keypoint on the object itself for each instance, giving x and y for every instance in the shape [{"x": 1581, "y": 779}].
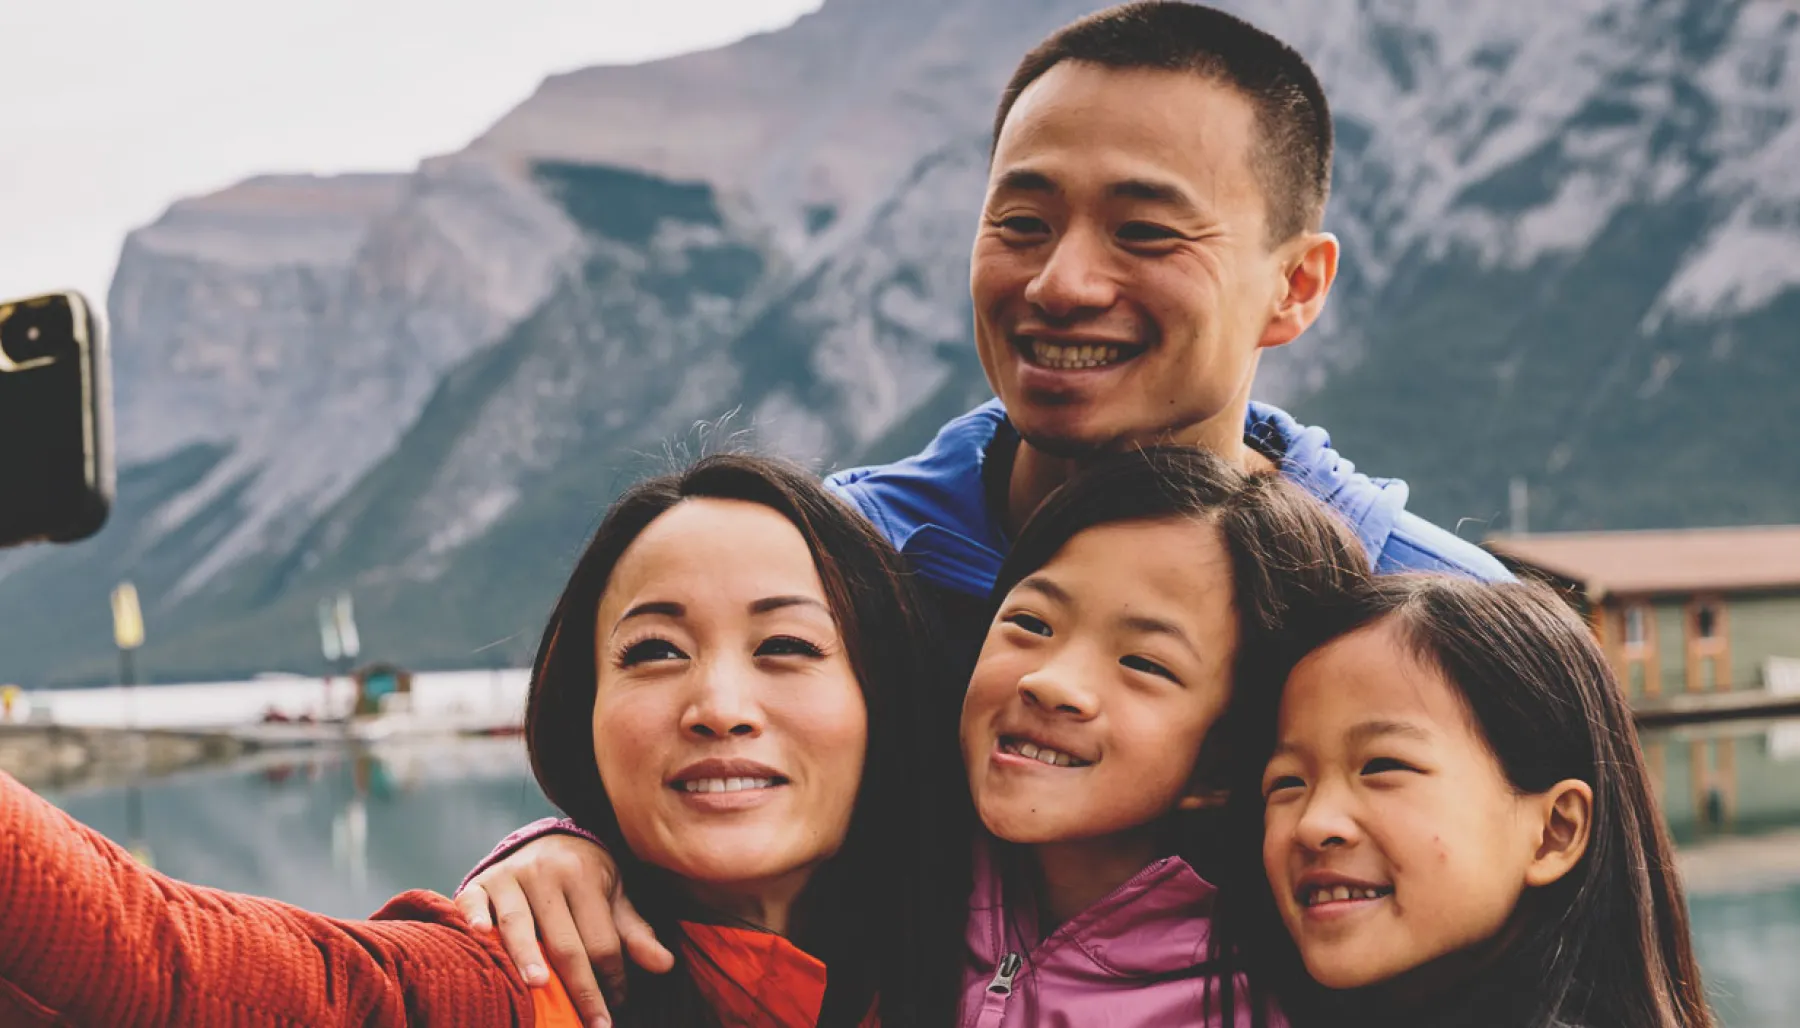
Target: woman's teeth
[
  {"x": 724, "y": 784},
  {"x": 1041, "y": 754},
  {"x": 1341, "y": 893},
  {"x": 1064, "y": 358}
]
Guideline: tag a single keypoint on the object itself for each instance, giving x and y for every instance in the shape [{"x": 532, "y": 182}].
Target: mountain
[{"x": 1572, "y": 258}]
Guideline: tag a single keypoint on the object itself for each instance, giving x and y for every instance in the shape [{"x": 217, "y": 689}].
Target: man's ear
[
  {"x": 1309, "y": 265},
  {"x": 1565, "y": 824}
]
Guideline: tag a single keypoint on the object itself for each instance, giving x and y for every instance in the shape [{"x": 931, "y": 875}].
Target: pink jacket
[{"x": 1128, "y": 961}]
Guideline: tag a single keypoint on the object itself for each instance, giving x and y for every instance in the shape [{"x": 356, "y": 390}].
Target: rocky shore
[{"x": 55, "y": 756}]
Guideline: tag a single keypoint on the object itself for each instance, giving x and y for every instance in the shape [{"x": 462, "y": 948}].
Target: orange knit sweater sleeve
[{"x": 89, "y": 937}]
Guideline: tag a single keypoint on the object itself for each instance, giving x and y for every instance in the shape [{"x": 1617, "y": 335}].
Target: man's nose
[
  {"x": 723, "y": 704},
  {"x": 1075, "y": 279}
]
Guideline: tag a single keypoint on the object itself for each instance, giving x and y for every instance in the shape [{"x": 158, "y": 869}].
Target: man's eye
[
  {"x": 1146, "y": 232},
  {"x": 1024, "y": 225},
  {"x": 1383, "y": 765},
  {"x": 1149, "y": 667},
  {"x": 650, "y": 650},
  {"x": 788, "y": 646},
  {"x": 1030, "y": 624}
]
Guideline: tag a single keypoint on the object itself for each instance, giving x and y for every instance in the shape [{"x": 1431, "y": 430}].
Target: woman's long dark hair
[
  {"x": 1288, "y": 554},
  {"x": 1607, "y": 945},
  {"x": 885, "y": 914}
]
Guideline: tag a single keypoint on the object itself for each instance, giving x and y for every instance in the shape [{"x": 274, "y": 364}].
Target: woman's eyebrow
[
  {"x": 665, "y": 608},
  {"x": 770, "y": 604}
]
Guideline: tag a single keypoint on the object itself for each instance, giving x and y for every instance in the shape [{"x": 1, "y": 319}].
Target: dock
[{"x": 1685, "y": 708}]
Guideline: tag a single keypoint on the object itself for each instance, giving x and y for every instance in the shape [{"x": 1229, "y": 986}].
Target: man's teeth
[
  {"x": 1341, "y": 893},
  {"x": 725, "y": 784},
  {"x": 1062, "y": 358},
  {"x": 1042, "y": 754}
]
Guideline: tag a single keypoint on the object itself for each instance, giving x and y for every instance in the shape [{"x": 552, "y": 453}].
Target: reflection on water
[
  {"x": 335, "y": 832},
  {"x": 341, "y": 833}
]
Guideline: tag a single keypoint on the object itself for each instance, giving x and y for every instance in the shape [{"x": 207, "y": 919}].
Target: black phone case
[{"x": 56, "y": 474}]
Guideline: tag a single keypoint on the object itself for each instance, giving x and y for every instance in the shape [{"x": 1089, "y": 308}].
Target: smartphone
[{"x": 56, "y": 471}]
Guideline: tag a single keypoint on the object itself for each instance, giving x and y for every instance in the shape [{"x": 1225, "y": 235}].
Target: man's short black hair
[{"x": 1292, "y": 157}]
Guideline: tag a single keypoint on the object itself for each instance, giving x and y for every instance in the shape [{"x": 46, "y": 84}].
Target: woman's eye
[
  {"x": 1149, "y": 667},
  {"x": 1030, "y": 624},
  {"x": 1382, "y": 765},
  {"x": 1281, "y": 783},
  {"x": 650, "y": 650},
  {"x": 788, "y": 646},
  {"x": 1146, "y": 232}
]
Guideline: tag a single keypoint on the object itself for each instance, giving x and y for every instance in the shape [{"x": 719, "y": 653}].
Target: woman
[{"x": 728, "y": 692}]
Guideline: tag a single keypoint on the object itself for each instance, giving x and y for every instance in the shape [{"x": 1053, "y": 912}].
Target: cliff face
[{"x": 1572, "y": 256}]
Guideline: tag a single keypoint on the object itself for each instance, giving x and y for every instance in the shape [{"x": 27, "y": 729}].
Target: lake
[{"x": 340, "y": 833}]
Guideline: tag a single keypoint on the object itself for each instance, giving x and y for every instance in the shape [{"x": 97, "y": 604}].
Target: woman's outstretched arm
[{"x": 88, "y": 936}]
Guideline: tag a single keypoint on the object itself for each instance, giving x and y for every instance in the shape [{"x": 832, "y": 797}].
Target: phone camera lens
[{"x": 30, "y": 333}]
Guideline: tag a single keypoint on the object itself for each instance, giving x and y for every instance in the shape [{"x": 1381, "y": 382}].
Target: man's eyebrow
[
  {"x": 1040, "y": 584},
  {"x": 1024, "y": 180},
  {"x": 1152, "y": 191},
  {"x": 771, "y": 604}
]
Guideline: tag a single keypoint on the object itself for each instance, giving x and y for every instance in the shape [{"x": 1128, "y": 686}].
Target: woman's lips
[{"x": 726, "y": 784}]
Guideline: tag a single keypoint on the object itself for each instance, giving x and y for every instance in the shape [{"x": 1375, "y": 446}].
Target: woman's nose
[{"x": 723, "y": 705}]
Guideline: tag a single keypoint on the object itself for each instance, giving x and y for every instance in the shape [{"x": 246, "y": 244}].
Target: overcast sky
[{"x": 111, "y": 109}]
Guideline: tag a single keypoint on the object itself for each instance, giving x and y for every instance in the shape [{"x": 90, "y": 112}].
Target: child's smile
[{"x": 1098, "y": 682}]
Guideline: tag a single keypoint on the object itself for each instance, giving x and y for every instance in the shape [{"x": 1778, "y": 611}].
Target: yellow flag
[{"x": 128, "y": 619}]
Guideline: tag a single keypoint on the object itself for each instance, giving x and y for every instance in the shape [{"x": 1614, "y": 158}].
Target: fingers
[
  {"x": 518, "y": 929},
  {"x": 473, "y": 902},
  {"x": 569, "y": 948},
  {"x": 599, "y": 950},
  {"x": 640, "y": 941}
]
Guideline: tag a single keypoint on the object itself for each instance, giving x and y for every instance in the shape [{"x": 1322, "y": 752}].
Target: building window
[
  {"x": 1706, "y": 621},
  {"x": 1636, "y": 632}
]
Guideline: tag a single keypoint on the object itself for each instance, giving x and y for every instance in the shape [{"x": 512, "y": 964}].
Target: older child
[
  {"x": 1133, "y": 606},
  {"x": 1459, "y": 829}
]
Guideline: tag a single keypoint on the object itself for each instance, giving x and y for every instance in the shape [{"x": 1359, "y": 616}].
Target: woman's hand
[{"x": 566, "y": 890}]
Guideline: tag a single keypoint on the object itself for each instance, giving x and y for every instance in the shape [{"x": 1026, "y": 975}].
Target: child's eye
[
  {"x": 1149, "y": 667},
  {"x": 1281, "y": 783},
  {"x": 1383, "y": 765},
  {"x": 788, "y": 646},
  {"x": 650, "y": 650},
  {"x": 1030, "y": 624}
]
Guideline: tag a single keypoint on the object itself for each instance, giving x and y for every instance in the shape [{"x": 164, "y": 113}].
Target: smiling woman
[{"x": 734, "y": 693}]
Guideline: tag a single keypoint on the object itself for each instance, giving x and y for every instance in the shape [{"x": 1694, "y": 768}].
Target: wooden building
[
  {"x": 1692, "y": 610},
  {"x": 1686, "y": 617}
]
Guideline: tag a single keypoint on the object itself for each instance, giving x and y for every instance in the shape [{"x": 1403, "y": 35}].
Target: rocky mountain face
[{"x": 1572, "y": 257}]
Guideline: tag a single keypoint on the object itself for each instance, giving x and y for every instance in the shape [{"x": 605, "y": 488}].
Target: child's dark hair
[
  {"x": 886, "y": 913},
  {"x": 1288, "y": 553},
  {"x": 1608, "y": 943}
]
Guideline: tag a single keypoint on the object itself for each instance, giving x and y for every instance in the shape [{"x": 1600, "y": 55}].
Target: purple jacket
[{"x": 1128, "y": 961}]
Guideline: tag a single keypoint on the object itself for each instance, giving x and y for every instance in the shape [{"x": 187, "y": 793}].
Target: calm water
[{"x": 340, "y": 834}]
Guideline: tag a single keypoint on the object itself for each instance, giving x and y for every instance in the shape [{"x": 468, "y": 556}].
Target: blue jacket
[{"x": 933, "y": 506}]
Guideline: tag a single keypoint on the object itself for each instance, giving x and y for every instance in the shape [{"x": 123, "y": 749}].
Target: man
[{"x": 1152, "y": 224}]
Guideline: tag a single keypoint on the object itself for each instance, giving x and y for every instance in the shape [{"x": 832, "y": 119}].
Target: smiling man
[{"x": 1153, "y": 223}]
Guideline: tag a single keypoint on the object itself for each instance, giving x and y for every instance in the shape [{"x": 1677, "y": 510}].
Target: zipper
[{"x": 1003, "y": 978}]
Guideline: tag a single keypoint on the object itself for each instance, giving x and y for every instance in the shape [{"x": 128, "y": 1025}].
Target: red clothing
[{"x": 90, "y": 937}]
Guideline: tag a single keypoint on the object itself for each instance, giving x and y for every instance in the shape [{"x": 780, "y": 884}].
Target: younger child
[
  {"x": 1458, "y": 826},
  {"x": 1136, "y": 602}
]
